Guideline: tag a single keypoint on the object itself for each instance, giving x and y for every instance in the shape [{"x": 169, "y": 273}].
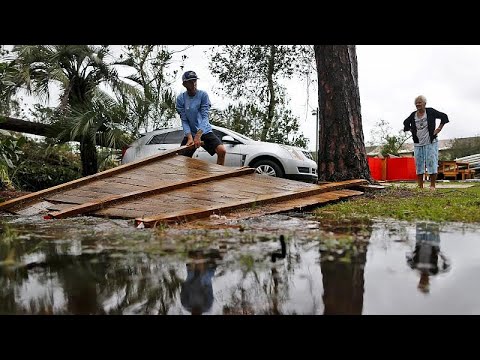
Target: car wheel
[{"x": 268, "y": 167}]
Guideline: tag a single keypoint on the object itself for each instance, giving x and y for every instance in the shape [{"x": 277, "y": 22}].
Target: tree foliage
[
  {"x": 252, "y": 74},
  {"x": 9, "y": 104},
  {"x": 461, "y": 147},
  {"x": 382, "y": 135},
  {"x": 246, "y": 119},
  {"x": 44, "y": 164},
  {"x": 10, "y": 151},
  {"x": 154, "y": 105},
  {"x": 79, "y": 71}
]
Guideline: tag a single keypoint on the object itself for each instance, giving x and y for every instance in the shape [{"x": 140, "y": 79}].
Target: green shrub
[{"x": 44, "y": 165}]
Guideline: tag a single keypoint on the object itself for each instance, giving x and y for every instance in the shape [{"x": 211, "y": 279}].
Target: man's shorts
[
  {"x": 210, "y": 143},
  {"x": 426, "y": 156}
]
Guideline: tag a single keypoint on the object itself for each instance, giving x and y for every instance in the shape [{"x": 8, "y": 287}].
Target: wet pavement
[{"x": 279, "y": 264}]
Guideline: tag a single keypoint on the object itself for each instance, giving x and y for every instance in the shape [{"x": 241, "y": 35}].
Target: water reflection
[
  {"x": 343, "y": 279},
  {"x": 283, "y": 252},
  {"x": 276, "y": 277},
  {"x": 262, "y": 286},
  {"x": 196, "y": 292},
  {"x": 427, "y": 258},
  {"x": 256, "y": 271}
]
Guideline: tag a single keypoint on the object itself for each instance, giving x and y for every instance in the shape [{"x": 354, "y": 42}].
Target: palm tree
[{"x": 85, "y": 111}]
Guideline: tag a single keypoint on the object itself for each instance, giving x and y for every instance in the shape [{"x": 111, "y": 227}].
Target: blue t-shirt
[
  {"x": 196, "y": 293},
  {"x": 193, "y": 111}
]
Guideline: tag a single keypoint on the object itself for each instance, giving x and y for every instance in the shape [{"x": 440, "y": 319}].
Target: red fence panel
[
  {"x": 401, "y": 169},
  {"x": 375, "y": 165}
]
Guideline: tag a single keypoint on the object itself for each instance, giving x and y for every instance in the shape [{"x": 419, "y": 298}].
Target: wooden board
[
  {"x": 36, "y": 196},
  {"x": 171, "y": 187},
  {"x": 185, "y": 214}
]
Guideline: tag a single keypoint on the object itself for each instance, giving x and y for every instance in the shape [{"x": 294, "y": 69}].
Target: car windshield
[{"x": 243, "y": 137}]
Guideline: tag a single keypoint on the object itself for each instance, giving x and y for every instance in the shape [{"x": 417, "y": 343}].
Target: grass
[{"x": 402, "y": 203}]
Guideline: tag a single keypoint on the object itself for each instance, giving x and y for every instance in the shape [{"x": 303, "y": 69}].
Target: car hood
[
  {"x": 276, "y": 146},
  {"x": 273, "y": 148}
]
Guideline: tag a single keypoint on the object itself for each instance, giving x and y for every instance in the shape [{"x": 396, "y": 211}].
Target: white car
[{"x": 268, "y": 158}]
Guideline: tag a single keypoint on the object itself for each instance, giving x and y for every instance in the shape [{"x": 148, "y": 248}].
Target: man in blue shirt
[
  {"x": 196, "y": 294},
  {"x": 193, "y": 106}
]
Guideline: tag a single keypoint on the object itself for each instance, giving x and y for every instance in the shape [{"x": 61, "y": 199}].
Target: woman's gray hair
[{"x": 422, "y": 98}]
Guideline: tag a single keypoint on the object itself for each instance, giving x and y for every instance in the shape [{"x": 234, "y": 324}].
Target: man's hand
[
  {"x": 197, "y": 141},
  {"x": 189, "y": 140},
  {"x": 197, "y": 138}
]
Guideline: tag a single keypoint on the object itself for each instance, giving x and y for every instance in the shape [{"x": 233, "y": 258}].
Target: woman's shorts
[{"x": 426, "y": 156}]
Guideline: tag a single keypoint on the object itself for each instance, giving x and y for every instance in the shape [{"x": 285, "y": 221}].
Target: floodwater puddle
[{"x": 278, "y": 264}]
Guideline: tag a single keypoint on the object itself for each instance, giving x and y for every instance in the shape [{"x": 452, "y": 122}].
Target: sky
[{"x": 389, "y": 77}]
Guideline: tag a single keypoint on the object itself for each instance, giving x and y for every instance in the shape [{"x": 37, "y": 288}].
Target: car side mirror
[{"x": 229, "y": 139}]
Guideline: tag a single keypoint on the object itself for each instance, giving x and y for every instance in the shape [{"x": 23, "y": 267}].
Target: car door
[
  {"x": 234, "y": 152},
  {"x": 151, "y": 147},
  {"x": 163, "y": 142},
  {"x": 172, "y": 140}
]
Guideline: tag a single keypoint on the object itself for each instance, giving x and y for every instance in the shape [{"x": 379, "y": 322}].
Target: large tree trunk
[
  {"x": 271, "y": 90},
  {"x": 36, "y": 128},
  {"x": 341, "y": 153},
  {"x": 343, "y": 283},
  {"x": 23, "y": 126},
  {"x": 88, "y": 154}
]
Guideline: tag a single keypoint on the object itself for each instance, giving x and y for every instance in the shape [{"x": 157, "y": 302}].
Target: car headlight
[
  {"x": 308, "y": 155},
  {"x": 294, "y": 153}
]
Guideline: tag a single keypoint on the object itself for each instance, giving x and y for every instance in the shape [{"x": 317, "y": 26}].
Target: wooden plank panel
[
  {"x": 80, "y": 194},
  {"x": 177, "y": 200},
  {"x": 215, "y": 196},
  {"x": 295, "y": 204},
  {"x": 312, "y": 200},
  {"x": 121, "y": 213},
  {"x": 119, "y": 210},
  {"x": 202, "y": 165},
  {"x": 131, "y": 182},
  {"x": 281, "y": 181},
  {"x": 58, "y": 207},
  {"x": 143, "y": 177},
  {"x": 252, "y": 188},
  {"x": 121, "y": 181},
  {"x": 113, "y": 187},
  {"x": 182, "y": 197},
  {"x": 36, "y": 196},
  {"x": 70, "y": 199},
  {"x": 278, "y": 183},
  {"x": 159, "y": 167},
  {"x": 289, "y": 195},
  {"x": 142, "y": 193},
  {"x": 164, "y": 207}
]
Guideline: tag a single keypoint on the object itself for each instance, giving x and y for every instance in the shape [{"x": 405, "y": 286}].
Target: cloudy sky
[{"x": 390, "y": 77}]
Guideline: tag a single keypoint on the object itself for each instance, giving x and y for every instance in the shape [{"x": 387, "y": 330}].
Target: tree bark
[
  {"x": 36, "y": 128},
  {"x": 343, "y": 283},
  {"x": 271, "y": 90},
  {"x": 18, "y": 125},
  {"x": 341, "y": 154},
  {"x": 88, "y": 155}
]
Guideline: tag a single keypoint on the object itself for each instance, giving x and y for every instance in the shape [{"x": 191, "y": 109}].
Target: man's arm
[
  {"x": 180, "y": 106},
  {"x": 204, "y": 110}
]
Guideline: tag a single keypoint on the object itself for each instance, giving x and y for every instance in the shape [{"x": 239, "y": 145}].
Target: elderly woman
[{"x": 422, "y": 124}]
